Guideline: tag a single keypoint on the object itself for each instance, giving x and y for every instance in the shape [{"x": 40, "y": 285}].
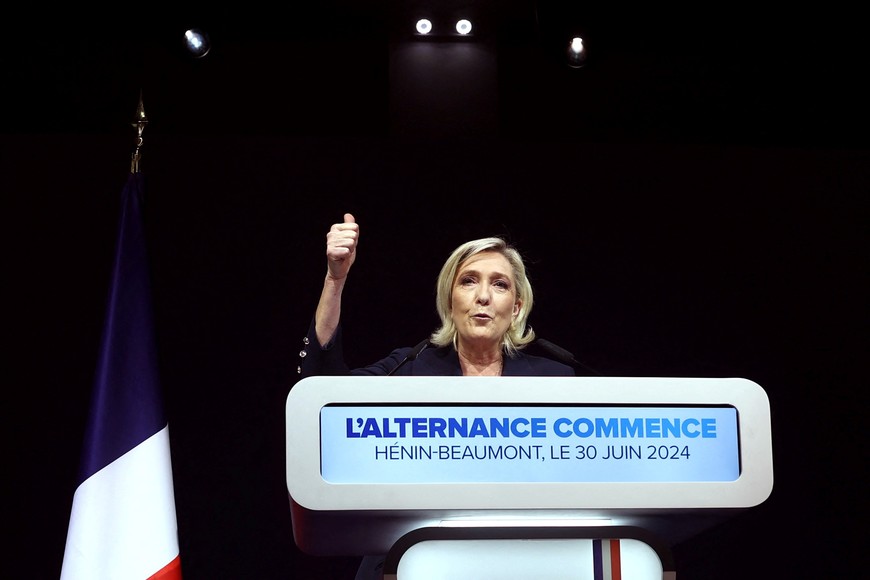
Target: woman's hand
[{"x": 341, "y": 242}]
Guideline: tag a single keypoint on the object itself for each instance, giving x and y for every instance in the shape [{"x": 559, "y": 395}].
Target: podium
[{"x": 532, "y": 469}]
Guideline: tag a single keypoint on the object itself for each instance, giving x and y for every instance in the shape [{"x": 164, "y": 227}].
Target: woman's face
[{"x": 483, "y": 300}]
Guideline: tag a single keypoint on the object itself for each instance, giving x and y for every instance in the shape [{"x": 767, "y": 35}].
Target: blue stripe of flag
[{"x": 126, "y": 408}]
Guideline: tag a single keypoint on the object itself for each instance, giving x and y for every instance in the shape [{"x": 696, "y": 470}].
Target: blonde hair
[{"x": 519, "y": 334}]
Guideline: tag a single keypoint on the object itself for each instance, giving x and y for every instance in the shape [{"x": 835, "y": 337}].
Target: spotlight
[
  {"x": 424, "y": 26},
  {"x": 576, "y": 53},
  {"x": 197, "y": 42},
  {"x": 463, "y": 27}
]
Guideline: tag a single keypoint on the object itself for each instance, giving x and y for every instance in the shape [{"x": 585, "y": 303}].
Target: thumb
[{"x": 349, "y": 219}]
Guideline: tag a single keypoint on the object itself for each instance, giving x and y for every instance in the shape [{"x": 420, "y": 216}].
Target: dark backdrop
[
  {"x": 696, "y": 261},
  {"x": 683, "y": 213}
]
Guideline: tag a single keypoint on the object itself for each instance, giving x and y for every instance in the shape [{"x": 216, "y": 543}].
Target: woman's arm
[{"x": 341, "y": 243}]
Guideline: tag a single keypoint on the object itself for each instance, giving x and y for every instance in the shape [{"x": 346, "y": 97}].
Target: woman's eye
[{"x": 501, "y": 284}]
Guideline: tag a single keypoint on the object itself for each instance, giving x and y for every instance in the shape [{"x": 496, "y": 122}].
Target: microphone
[
  {"x": 411, "y": 355},
  {"x": 562, "y": 355}
]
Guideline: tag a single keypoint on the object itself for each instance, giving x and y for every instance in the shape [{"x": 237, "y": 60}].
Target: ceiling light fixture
[
  {"x": 424, "y": 26},
  {"x": 576, "y": 53},
  {"x": 197, "y": 42},
  {"x": 463, "y": 27}
]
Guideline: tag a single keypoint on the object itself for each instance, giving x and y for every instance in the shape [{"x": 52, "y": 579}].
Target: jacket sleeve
[
  {"x": 329, "y": 359},
  {"x": 321, "y": 360}
]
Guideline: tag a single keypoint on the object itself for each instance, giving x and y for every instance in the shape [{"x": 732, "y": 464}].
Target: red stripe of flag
[{"x": 615, "y": 561}]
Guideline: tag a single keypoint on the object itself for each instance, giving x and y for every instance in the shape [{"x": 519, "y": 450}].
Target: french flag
[
  {"x": 122, "y": 523},
  {"x": 606, "y": 559}
]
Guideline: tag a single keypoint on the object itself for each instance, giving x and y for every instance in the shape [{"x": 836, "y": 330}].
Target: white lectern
[{"x": 576, "y": 471}]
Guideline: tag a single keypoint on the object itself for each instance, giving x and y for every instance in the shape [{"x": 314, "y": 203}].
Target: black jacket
[{"x": 314, "y": 360}]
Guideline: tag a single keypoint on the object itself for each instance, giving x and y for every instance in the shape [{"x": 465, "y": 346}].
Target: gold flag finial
[{"x": 139, "y": 123}]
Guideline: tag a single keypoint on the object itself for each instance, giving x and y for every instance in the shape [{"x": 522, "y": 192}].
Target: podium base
[{"x": 508, "y": 553}]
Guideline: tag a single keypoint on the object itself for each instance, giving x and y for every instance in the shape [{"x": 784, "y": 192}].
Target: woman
[{"x": 483, "y": 299}]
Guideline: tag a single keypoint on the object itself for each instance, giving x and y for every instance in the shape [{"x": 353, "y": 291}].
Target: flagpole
[{"x": 139, "y": 123}]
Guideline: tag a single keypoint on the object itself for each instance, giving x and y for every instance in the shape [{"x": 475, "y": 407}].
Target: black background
[{"x": 692, "y": 203}]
